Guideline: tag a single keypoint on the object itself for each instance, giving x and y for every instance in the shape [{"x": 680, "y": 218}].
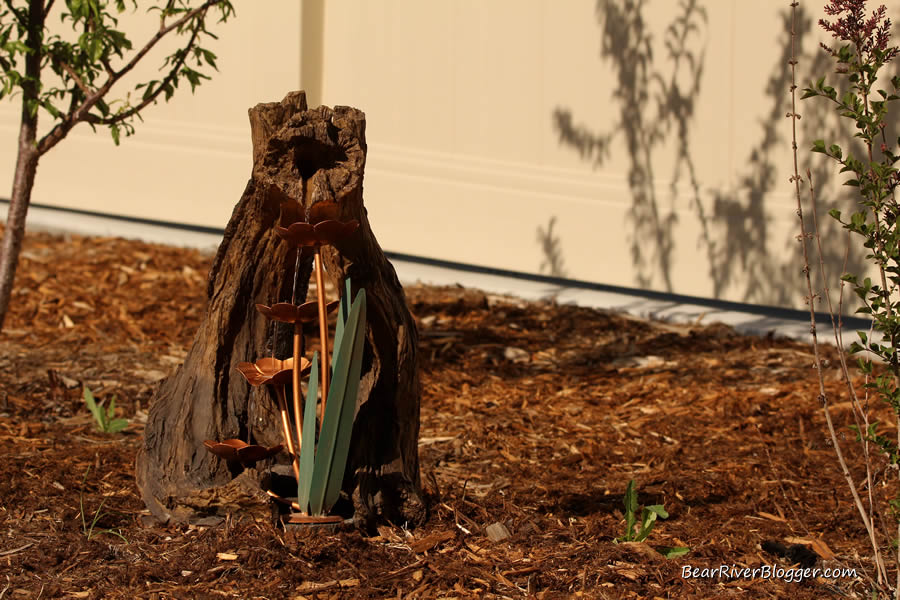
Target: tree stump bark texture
[{"x": 301, "y": 158}]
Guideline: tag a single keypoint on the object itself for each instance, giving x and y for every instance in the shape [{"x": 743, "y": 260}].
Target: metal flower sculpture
[
  {"x": 285, "y": 312},
  {"x": 272, "y": 371},
  {"x": 319, "y": 447},
  {"x": 322, "y": 229},
  {"x": 235, "y": 450}
]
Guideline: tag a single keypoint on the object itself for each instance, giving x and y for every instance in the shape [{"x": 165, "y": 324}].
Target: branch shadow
[
  {"x": 654, "y": 106},
  {"x": 656, "y": 100}
]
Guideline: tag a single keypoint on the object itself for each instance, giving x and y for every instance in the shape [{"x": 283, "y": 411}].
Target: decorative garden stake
[
  {"x": 314, "y": 235},
  {"x": 322, "y": 467},
  {"x": 318, "y": 468}
]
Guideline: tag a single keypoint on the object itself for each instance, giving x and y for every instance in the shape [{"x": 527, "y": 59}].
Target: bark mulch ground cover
[{"x": 535, "y": 416}]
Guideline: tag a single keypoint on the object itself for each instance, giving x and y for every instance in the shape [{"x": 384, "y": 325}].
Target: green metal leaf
[
  {"x": 337, "y": 424},
  {"x": 343, "y": 314},
  {"x": 348, "y": 413},
  {"x": 308, "y": 444}
]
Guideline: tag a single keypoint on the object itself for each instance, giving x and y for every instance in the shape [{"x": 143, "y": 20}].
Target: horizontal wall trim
[
  {"x": 721, "y": 305},
  {"x": 126, "y": 218},
  {"x": 586, "y": 184}
]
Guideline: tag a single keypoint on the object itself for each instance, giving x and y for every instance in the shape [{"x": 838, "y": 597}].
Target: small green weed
[
  {"x": 90, "y": 530},
  {"x": 649, "y": 514},
  {"x": 104, "y": 417}
]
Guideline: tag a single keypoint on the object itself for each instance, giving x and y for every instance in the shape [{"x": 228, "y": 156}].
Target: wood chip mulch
[{"x": 534, "y": 418}]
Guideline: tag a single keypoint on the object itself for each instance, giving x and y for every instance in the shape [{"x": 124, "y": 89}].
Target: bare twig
[{"x": 78, "y": 80}]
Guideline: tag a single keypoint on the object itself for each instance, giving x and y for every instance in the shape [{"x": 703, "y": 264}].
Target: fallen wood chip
[
  {"x": 15, "y": 550},
  {"x": 313, "y": 586},
  {"x": 226, "y": 556},
  {"x": 424, "y": 441},
  {"x": 429, "y": 542},
  {"x": 497, "y": 532},
  {"x": 523, "y": 571},
  {"x": 771, "y": 517},
  {"x": 815, "y": 544}
]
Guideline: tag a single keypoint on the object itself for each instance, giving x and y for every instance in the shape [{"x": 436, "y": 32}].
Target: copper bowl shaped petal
[
  {"x": 226, "y": 449},
  {"x": 324, "y": 211},
  {"x": 330, "y": 232},
  {"x": 286, "y": 312},
  {"x": 309, "y": 311},
  {"x": 240, "y": 451},
  {"x": 298, "y": 234},
  {"x": 272, "y": 370},
  {"x": 253, "y": 453},
  {"x": 253, "y": 375}
]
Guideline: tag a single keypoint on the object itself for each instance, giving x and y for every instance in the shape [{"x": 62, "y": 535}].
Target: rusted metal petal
[
  {"x": 298, "y": 234},
  {"x": 253, "y": 453},
  {"x": 271, "y": 370},
  {"x": 286, "y": 312},
  {"x": 309, "y": 311},
  {"x": 330, "y": 232},
  {"x": 324, "y": 211},
  {"x": 226, "y": 449},
  {"x": 322, "y": 233},
  {"x": 240, "y": 451}
]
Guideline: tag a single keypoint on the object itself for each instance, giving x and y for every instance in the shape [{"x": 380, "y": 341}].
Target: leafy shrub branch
[
  {"x": 71, "y": 81},
  {"x": 861, "y": 53}
]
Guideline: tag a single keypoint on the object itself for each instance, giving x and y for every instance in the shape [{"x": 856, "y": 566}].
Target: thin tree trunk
[
  {"x": 23, "y": 182},
  {"x": 26, "y": 162}
]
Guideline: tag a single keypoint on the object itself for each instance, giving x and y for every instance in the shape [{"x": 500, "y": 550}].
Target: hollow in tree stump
[{"x": 301, "y": 158}]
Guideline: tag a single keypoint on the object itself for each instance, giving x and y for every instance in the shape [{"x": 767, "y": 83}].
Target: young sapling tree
[{"x": 71, "y": 82}]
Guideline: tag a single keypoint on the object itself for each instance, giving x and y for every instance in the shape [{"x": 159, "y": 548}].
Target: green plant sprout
[
  {"x": 649, "y": 514},
  {"x": 105, "y": 417},
  {"x": 91, "y": 531}
]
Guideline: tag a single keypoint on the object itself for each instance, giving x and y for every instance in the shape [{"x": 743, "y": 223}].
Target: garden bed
[{"x": 534, "y": 416}]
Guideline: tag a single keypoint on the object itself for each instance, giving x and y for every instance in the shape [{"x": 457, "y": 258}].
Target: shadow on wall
[
  {"x": 656, "y": 100},
  {"x": 549, "y": 241}
]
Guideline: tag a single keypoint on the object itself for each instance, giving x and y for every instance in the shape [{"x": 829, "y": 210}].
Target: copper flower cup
[
  {"x": 323, "y": 233},
  {"x": 235, "y": 450},
  {"x": 271, "y": 371},
  {"x": 286, "y": 312}
]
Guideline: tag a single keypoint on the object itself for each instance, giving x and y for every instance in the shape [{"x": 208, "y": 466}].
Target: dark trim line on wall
[
  {"x": 721, "y": 305},
  {"x": 126, "y": 219}
]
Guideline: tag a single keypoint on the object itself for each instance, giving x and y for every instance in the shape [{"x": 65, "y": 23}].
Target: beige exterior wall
[
  {"x": 641, "y": 144},
  {"x": 190, "y": 159}
]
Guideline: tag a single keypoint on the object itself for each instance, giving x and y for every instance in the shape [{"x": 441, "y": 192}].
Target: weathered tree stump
[{"x": 301, "y": 157}]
